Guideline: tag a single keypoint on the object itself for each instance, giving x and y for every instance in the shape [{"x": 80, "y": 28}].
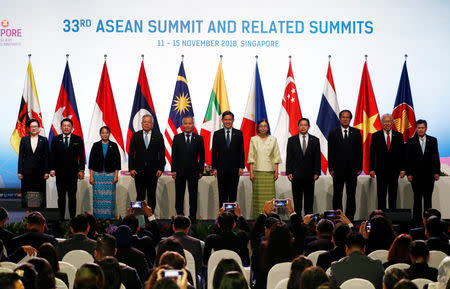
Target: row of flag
[{"x": 367, "y": 117}]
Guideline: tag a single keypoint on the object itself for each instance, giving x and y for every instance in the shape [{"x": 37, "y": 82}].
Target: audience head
[
  {"x": 111, "y": 271},
  {"x": 89, "y": 276},
  {"x": 169, "y": 244},
  {"x": 154, "y": 276},
  {"x": 405, "y": 284},
  {"x": 1, "y": 248},
  {"x": 431, "y": 212},
  {"x": 45, "y": 278},
  {"x": 233, "y": 280},
  {"x": 354, "y": 242},
  {"x": 327, "y": 285},
  {"x": 400, "y": 250},
  {"x": 132, "y": 222},
  {"x": 434, "y": 227},
  {"x": 92, "y": 234},
  {"x": 3, "y": 216},
  {"x": 381, "y": 229},
  {"x": 224, "y": 266},
  {"x": 10, "y": 281},
  {"x": 299, "y": 264},
  {"x": 419, "y": 251},
  {"x": 325, "y": 227},
  {"x": 226, "y": 221},
  {"x": 173, "y": 259},
  {"x": 392, "y": 276},
  {"x": 340, "y": 233},
  {"x": 444, "y": 273},
  {"x": 36, "y": 221},
  {"x": 181, "y": 224},
  {"x": 376, "y": 212},
  {"x": 279, "y": 245},
  {"x": 313, "y": 277},
  {"x": 106, "y": 246},
  {"x": 48, "y": 252},
  {"x": 271, "y": 219},
  {"x": 166, "y": 283},
  {"x": 124, "y": 236},
  {"x": 79, "y": 224},
  {"x": 27, "y": 275}
]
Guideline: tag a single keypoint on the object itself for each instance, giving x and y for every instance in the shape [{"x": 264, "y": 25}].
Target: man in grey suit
[
  {"x": 79, "y": 226},
  {"x": 356, "y": 264}
]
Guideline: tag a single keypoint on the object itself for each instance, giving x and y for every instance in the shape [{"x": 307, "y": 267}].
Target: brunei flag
[
  {"x": 367, "y": 118},
  {"x": 29, "y": 108},
  {"x": 218, "y": 103}
]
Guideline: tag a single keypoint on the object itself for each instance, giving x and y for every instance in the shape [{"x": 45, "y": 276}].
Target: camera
[
  {"x": 172, "y": 274},
  {"x": 278, "y": 203},
  {"x": 368, "y": 227},
  {"x": 137, "y": 207},
  {"x": 229, "y": 206},
  {"x": 317, "y": 218},
  {"x": 331, "y": 215}
]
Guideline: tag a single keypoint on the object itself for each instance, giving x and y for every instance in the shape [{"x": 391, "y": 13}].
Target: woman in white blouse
[{"x": 263, "y": 160}]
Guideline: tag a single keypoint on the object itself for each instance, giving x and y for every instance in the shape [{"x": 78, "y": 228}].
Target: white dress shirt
[
  {"x": 300, "y": 136},
  {"x": 68, "y": 139},
  {"x": 231, "y": 133},
  {"x": 149, "y": 133},
  {"x": 343, "y": 131},
  {"x": 34, "y": 142},
  {"x": 423, "y": 143},
  {"x": 386, "y": 133}
]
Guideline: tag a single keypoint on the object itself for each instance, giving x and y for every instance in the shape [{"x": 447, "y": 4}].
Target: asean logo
[{"x": 5, "y": 23}]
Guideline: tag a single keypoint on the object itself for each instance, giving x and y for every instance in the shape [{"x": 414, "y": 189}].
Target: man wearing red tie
[{"x": 387, "y": 162}]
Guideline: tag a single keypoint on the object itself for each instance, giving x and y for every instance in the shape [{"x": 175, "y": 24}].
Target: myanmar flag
[{"x": 218, "y": 103}]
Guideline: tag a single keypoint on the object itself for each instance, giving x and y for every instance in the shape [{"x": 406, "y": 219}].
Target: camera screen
[
  {"x": 280, "y": 203},
  {"x": 136, "y": 205},
  {"x": 172, "y": 273},
  {"x": 229, "y": 206}
]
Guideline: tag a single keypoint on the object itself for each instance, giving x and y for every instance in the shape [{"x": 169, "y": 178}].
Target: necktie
[
  {"x": 422, "y": 144},
  {"x": 66, "y": 142},
  {"x": 304, "y": 145},
  {"x": 146, "y": 140},
  {"x": 345, "y": 134},
  {"x": 388, "y": 141},
  {"x": 188, "y": 139},
  {"x": 228, "y": 139}
]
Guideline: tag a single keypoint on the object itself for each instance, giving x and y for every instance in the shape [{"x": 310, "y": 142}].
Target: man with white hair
[{"x": 387, "y": 161}]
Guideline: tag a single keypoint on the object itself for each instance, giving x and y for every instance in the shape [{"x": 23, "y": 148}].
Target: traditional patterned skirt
[
  {"x": 263, "y": 191},
  {"x": 104, "y": 195}
]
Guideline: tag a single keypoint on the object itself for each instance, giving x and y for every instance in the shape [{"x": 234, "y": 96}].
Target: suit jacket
[
  {"x": 322, "y": 243},
  {"x": 345, "y": 155},
  {"x": 135, "y": 259},
  {"x": 422, "y": 270},
  {"x": 192, "y": 245},
  {"x": 109, "y": 163},
  {"x": 71, "y": 160},
  {"x": 5, "y": 236},
  {"x": 228, "y": 159},
  {"x": 147, "y": 246},
  {"x": 438, "y": 244},
  {"x": 129, "y": 277},
  {"x": 419, "y": 164},
  {"x": 32, "y": 238},
  {"x": 36, "y": 161},
  {"x": 77, "y": 242},
  {"x": 384, "y": 161},
  {"x": 299, "y": 165},
  {"x": 152, "y": 157},
  {"x": 236, "y": 242},
  {"x": 185, "y": 161},
  {"x": 357, "y": 265},
  {"x": 325, "y": 259}
]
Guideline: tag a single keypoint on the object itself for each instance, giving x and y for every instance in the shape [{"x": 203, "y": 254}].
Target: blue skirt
[{"x": 104, "y": 195}]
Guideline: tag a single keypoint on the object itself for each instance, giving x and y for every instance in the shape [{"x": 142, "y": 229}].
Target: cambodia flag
[
  {"x": 142, "y": 105},
  {"x": 66, "y": 107}
]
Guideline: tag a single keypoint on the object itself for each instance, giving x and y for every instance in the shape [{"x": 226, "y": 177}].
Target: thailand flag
[
  {"x": 66, "y": 107},
  {"x": 142, "y": 105},
  {"x": 254, "y": 111},
  {"x": 328, "y": 117}
]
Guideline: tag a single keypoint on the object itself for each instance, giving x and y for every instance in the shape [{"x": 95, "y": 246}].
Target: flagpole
[
  {"x": 290, "y": 57},
  {"x": 67, "y": 57},
  {"x": 105, "y": 56},
  {"x": 329, "y": 58},
  {"x": 142, "y": 56},
  {"x": 365, "y": 56},
  {"x": 406, "y": 57},
  {"x": 182, "y": 57},
  {"x": 256, "y": 56},
  {"x": 29, "y": 57},
  {"x": 221, "y": 56}
]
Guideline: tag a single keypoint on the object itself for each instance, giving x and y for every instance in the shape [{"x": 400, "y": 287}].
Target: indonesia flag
[
  {"x": 66, "y": 107},
  {"x": 328, "y": 117},
  {"x": 142, "y": 105},
  {"x": 290, "y": 114},
  {"x": 254, "y": 111},
  {"x": 105, "y": 113}
]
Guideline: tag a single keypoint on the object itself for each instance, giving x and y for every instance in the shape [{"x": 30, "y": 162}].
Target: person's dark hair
[
  {"x": 313, "y": 277},
  {"x": 165, "y": 283},
  {"x": 1, "y": 248},
  {"x": 355, "y": 239},
  {"x": 299, "y": 264},
  {"x": 35, "y": 218},
  {"x": 173, "y": 259},
  {"x": 376, "y": 212},
  {"x": 346, "y": 110},
  {"x": 305, "y": 119},
  {"x": 124, "y": 236},
  {"x": 92, "y": 234},
  {"x": 104, "y": 127},
  {"x": 67, "y": 119},
  {"x": 79, "y": 223},
  {"x": 392, "y": 276},
  {"x": 181, "y": 222},
  {"x": 400, "y": 250},
  {"x": 428, "y": 213},
  {"x": 224, "y": 266},
  {"x": 7, "y": 280},
  {"x": 227, "y": 112},
  {"x": 106, "y": 245},
  {"x": 169, "y": 244},
  {"x": 3, "y": 214},
  {"x": 226, "y": 221},
  {"x": 405, "y": 284},
  {"x": 233, "y": 280},
  {"x": 27, "y": 275},
  {"x": 325, "y": 226},
  {"x": 434, "y": 226},
  {"x": 420, "y": 249},
  {"x": 89, "y": 276},
  {"x": 270, "y": 221},
  {"x": 31, "y": 120},
  {"x": 339, "y": 234},
  {"x": 381, "y": 234},
  {"x": 48, "y": 252},
  {"x": 45, "y": 278},
  {"x": 421, "y": 121},
  {"x": 111, "y": 271},
  {"x": 132, "y": 222},
  {"x": 327, "y": 285},
  {"x": 261, "y": 121},
  {"x": 152, "y": 279},
  {"x": 279, "y": 246}
]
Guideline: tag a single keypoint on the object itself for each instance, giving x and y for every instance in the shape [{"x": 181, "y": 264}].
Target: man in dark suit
[
  {"x": 79, "y": 227},
  {"x": 422, "y": 167},
  {"x": 340, "y": 232},
  {"x": 146, "y": 160},
  {"x": 436, "y": 237},
  {"x": 188, "y": 159},
  {"x": 356, "y": 264},
  {"x": 387, "y": 161},
  {"x": 324, "y": 231},
  {"x": 5, "y": 235},
  {"x": 345, "y": 157},
  {"x": 227, "y": 158},
  {"x": 67, "y": 161},
  {"x": 303, "y": 166},
  {"x": 420, "y": 255}
]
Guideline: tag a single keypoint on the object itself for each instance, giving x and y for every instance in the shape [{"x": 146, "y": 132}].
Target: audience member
[
  {"x": 338, "y": 252},
  {"x": 233, "y": 280},
  {"x": 224, "y": 266},
  {"x": 17, "y": 255},
  {"x": 27, "y": 274},
  {"x": 45, "y": 277},
  {"x": 381, "y": 234},
  {"x": 420, "y": 256},
  {"x": 405, "y": 284},
  {"x": 48, "y": 252},
  {"x": 5, "y": 235},
  {"x": 169, "y": 244},
  {"x": 356, "y": 264},
  {"x": 400, "y": 251},
  {"x": 327, "y": 285},
  {"x": 111, "y": 271},
  {"x": 92, "y": 234},
  {"x": 166, "y": 283},
  {"x": 89, "y": 276},
  {"x": 177, "y": 262},
  {"x": 392, "y": 276},
  {"x": 10, "y": 281},
  {"x": 298, "y": 265},
  {"x": 181, "y": 281},
  {"x": 436, "y": 238},
  {"x": 144, "y": 244},
  {"x": 419, "y": 232},
  {"x": 79, "y": 227},
  {"x": 324, "y": 231},
  {"x": 313, "y": 277},
  {"x": 154, "y": 276}
]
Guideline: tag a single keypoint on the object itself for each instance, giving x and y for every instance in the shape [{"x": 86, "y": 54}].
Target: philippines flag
[
  {"x": 66, "y": 107},
  {"x": 328, "y": 117},
  {"x": 254, "y": 111},
  {"x": 142, "y": 105},
  {"x": 105, "y": 113},
  {"x": 181, "y": 106}
]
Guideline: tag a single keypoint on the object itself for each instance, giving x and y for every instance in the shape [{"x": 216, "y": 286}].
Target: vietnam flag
[{"x": 367, "y": 118}]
